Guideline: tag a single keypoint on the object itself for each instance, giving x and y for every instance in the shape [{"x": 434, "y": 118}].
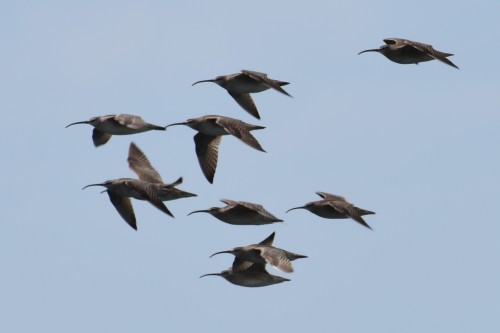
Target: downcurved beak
[
  {"x": 176, "y": 124},
  {"x": 220, "y": 253},
  {"x": 78, "y": 122},
  {"x": 370, "y": 50},
  {"x": 211, "y": 274},
  {"x": 93, "y": 185},
  {"x": 302, "y": 207},
  {"x": 199, "y": 211},
  {"x": 212, "y": 80}
]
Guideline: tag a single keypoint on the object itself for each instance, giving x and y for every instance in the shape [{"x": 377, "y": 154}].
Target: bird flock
[{"x": 248, "y": 268}]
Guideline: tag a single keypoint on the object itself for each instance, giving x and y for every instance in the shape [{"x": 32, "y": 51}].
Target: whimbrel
[
  {"x": 263, "y": 253},
  {"x": 241, "y": 213},
  {"x": 122, "y": 189},
  {"x": 138, "y": 162},
  {"x": 240, "y": 85},
  {"x": 249, "y": 275},
  {"x": 404, "y": 51},
  {"x": 119, "y": 124},
  {"x": 210, "y": 129},
  {"x": 335, "y": 207}
]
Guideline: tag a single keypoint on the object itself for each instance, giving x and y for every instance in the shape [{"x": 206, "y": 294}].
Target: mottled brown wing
[
  {"x": 428, "y": 49},
  {"x": 261, "y": 77},
  {"x": 138, "y": 162},
  {"x": 147, "y": 191},
  {"x": 257, "y": 208},
  {"x": 129, "y": 121},
  {"x": 246, "y": 102},
  {"x": 240, "y": 130},
  {"x": 269, "y": 240},
  {"x": 276, "y": 258},
  {"x": 99, "y": 137},
  {"x": 207, "y": 150},
  {"x": 329, "y": 196},
  {"x": 124, "y": 207},
  {"x": 349, "y": 210}
]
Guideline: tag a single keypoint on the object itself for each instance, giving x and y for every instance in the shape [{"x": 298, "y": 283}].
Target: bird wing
[
  {"x": 240, "y": 265},
  {"x": 175, "y": 183},
  {"x": 99, "y": 137},
  {"x": 328, "y": 196},
  {"x": 207, "y": 150},
  {"x": 269, "y": 240},
  {"x": 240, "y": 130},
  {"x": 349, "y": 210},
  {"x": 261, "y": 77},
  {"x": 246, "y": 102},
  {"x": 129, "y": 121},
  {"x": 147, "y": 191},
  {"x": 277, "y": 258},
  {"x": 257, "y": 208},
  {"x": 392, "y": 41},
  {"x": 124, "y": 207},
  {"x": 138, "y": 162},
  {"x": 429, "y": 50}
]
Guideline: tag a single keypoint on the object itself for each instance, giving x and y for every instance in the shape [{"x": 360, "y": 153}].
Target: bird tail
[{"x": 364, "y": 211}]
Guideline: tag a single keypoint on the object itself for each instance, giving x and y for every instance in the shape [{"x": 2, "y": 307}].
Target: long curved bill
[
  {"x": 302, "y": 207},
  {"x": 211, "y": 274},
  {"x": 219, "y": 253},
  {"x": 199, "y": 211},
  {"x": 92, "y": 185},
  {"x": 212, "y": 80},
  {"x": 370, "y": 50},
  {"x": 176, "y": 124},
  {"x": 78, "y": 122}
]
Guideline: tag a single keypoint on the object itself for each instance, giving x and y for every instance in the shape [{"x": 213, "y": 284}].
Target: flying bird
[
  {"x": 404, "y": 51},
  {"x": 116, "y": 124},
  {"x": 122, "y": 189},
  {"x": 210, "y": 129},
  {"x": 335, "y": 207},
  {"x": 149, "y": 187},
  {"x": 263, "y": 253},
  {"x": 241, "y": 85},
  {"x": 241, "y": 213},
  {"x": 249, "y": 275}
]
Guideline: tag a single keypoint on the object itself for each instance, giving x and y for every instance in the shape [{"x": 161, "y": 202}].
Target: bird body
[
  {"x": 148, "y": 187},
  {"x": 210, "y": 129},
  {"x": 263, "y": 253},
  {"x": 253, "y": 276},
  {"x": 240, "y": 85},
  {"x": 404, "y": 51},
  {"x": 241, "y": 213},
  {"x": 335, "y": 207},
  {"x": 122, "y": 189},
  {"x": 119, "y": 124}
]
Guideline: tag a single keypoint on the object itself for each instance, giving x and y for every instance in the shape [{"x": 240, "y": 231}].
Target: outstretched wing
[
  {"x": 138, "y": 162},
  {"x": 207, "y": 151}
]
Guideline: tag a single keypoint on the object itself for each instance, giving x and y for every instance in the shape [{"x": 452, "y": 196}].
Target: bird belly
[
  {"x": 246, "y": 220},
  {"x": 115, "y": 129},
  {"x": 329, "y": 213},
  {"x": 243, "y": 85},
  {"x": 251, "y": 281},
  {"x": 406, "y": 58}
]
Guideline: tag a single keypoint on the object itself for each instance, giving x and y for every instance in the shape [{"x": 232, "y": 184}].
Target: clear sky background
[{"x": 416, "y": 144}]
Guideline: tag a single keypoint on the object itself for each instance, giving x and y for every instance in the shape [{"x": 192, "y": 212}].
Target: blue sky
[{"x": 415, "y": 144}]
